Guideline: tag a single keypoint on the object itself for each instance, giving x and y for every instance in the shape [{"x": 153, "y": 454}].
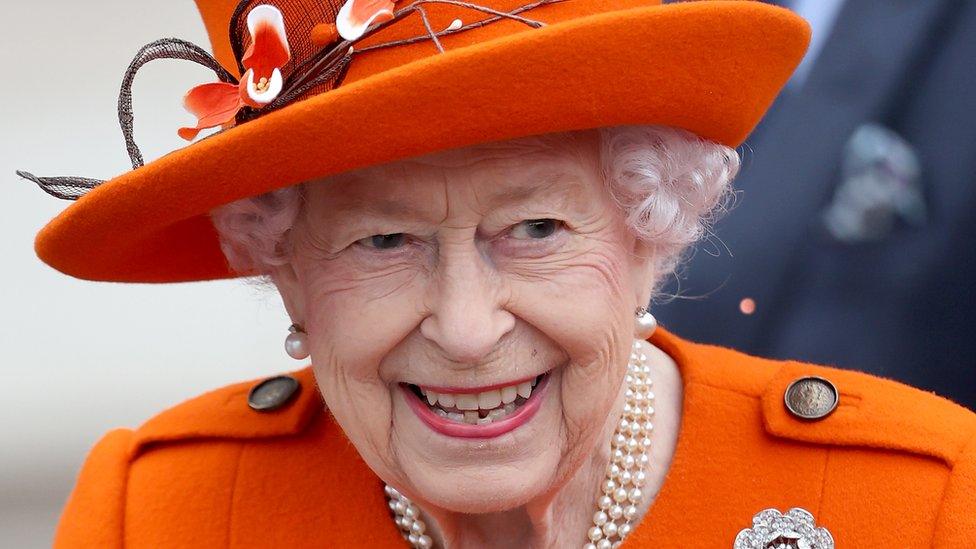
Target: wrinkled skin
[{"x": 472, "y": 295}]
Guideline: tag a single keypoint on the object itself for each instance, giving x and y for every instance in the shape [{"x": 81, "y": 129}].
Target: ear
[
  {"x": 642, "y": 271},
  {"x": 286, "y": 279}
]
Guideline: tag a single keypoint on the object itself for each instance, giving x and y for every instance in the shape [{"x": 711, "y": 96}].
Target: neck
[{"x": 561, "y": 518}]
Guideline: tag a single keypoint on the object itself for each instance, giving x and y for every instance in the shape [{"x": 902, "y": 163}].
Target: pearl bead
[
  {"x": 616, "y": 512},
  {"x": 640, "y": 478},
  {"x": 418, "y": 527},
  {"x": 610, "y": 529},
  {"x": 624, "y": 530},
  {"x": 630, "y": 512},
  {"x": 589, "y": 546},
  {"x": 609, "y": 486},
  {"x": 605, "y": 502},
  {"x": 296, "y": 345},
  {"x": 626, "y": 477},
  {"x": 620, "y": 495},
  {"x": 635, "y": 495},
  {"x": 604, "y": 544},
  {"x": 425, "y": 542},
  {"x": 595, "y": 533},
  {"x": 600, "y": 518}
]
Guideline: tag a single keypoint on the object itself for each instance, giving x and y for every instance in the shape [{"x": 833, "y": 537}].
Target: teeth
[
  {"x": 509, "y": 394},
  {"x": 494, "y": 405},
  {"x": 466, "y": 402},
  {"x": 489, "y": 399}
]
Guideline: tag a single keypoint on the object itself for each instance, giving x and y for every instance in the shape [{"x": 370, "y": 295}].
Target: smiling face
[{"x": 462, "y": 279}]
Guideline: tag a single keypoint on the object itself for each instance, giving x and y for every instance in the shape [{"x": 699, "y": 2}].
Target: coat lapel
[{"x": 791, "y": 160}]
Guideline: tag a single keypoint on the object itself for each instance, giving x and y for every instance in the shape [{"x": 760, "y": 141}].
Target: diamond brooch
[{"x": 774, "y": 530}]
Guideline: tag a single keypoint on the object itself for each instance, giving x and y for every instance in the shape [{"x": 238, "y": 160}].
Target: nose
[{"x": 467, "y": 318}]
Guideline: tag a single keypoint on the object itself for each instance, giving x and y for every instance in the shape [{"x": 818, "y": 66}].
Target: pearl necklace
[{"x": 620, "y": 491}]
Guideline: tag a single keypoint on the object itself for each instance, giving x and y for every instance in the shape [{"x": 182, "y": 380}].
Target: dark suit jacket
[{"x": 903, "y": 306}]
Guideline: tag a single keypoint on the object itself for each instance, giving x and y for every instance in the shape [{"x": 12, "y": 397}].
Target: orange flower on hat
[
  {"x": 356, "y": 16},
  {"x": 217, "y": 103}
]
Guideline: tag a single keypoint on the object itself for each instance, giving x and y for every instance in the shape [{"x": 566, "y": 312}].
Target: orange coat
[{"x": 892, "y": 467}]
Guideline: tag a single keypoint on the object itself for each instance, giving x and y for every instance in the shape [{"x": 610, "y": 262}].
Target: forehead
[{"x": 489, "y": 176}]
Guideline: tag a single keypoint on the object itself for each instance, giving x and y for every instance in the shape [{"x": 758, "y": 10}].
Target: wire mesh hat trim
[{"x": 310, "y": 70}]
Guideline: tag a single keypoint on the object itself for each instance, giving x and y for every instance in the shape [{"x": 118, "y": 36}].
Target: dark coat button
[
  {"x": 272, "y": 393},
  {"x": 811, "y": 398}
]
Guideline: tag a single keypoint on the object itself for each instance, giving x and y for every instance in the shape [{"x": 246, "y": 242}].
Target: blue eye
[
  {"x": 536, "y": 228},
  {"x": 383, "y": 241}
]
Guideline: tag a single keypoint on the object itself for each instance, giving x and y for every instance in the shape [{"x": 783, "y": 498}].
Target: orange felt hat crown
[{"x": 310, "y": 88}]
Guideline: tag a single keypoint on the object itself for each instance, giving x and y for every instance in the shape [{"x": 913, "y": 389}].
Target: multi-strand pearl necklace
[{"x": 621, "y": 493}]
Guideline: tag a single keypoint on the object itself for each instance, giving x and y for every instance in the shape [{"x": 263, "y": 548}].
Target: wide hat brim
[{"x": 712, "y": 68}]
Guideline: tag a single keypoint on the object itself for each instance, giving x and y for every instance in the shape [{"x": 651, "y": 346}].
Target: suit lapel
[{"x": 796, "y": 154}]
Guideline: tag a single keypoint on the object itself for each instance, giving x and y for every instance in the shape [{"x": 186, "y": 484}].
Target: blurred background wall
[{"x": 79, "y": 358}]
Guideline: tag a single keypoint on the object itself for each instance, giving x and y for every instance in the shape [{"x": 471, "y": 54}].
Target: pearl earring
[
  {"x": 644, "y": 323},
  {"x": 296, "y": 344}
]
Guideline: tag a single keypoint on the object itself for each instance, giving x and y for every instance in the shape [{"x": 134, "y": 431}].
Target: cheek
[
  {"x": 594, "y": 327},
  {"x": 354, "y": 316},
  {"x": 353, "y": 322}
]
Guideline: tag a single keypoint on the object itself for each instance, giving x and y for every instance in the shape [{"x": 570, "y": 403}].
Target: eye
[
  {"x": 383, "y": 241},
  {"x": 536, "y": 229}
]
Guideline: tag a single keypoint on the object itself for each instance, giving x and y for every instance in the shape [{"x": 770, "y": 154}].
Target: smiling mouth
[{"x": 481, "y": 408}]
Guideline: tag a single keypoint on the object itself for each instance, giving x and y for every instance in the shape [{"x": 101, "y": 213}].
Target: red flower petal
[
  {"x": 214, "y": 104},
  {"x": 356, "y": 16},
  {"x": 269, "y": 43}
]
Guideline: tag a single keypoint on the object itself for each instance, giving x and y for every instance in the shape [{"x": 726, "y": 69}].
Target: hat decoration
[{"x": 273, "y": 74}]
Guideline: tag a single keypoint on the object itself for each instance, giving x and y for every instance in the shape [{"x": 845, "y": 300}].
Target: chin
[{"x": 489, "y": 490}]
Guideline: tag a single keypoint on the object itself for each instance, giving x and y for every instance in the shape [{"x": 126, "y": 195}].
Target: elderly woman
[{"x": 466, "y": 208}]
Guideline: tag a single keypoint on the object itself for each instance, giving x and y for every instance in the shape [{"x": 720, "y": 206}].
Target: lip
[
  {"x": 491, "y": 430},
  {"x": 456, "y": 390}
]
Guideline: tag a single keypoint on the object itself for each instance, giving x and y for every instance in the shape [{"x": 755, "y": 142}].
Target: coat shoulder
[
  {"x": 886, "y": 448},
  {"x": 184, "y": 462},
  {"x": 869, "y": 411},
  {"x": 269, "y": 407}
]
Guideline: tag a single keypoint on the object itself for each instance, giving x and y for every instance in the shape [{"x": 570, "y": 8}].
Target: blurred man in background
[{"x": 856, "y": 246}]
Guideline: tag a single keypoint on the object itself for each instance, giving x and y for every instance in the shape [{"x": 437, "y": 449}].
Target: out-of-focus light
[{"x": 747, "y": 306}]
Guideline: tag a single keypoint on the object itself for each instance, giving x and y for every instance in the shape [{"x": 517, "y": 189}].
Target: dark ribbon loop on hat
[
  {"x": 73, "y": 188},
  {"x": 166, "y": 48},
  {"x": 65, "y": 188},
  {"x": 326, "y": 67}
]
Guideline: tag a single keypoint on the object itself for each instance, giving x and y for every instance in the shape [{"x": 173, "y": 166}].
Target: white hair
[{"x": 668, "y": 182}]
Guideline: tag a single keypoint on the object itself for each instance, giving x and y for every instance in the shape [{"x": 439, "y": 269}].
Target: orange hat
[{"x": 309, "y": 88}]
